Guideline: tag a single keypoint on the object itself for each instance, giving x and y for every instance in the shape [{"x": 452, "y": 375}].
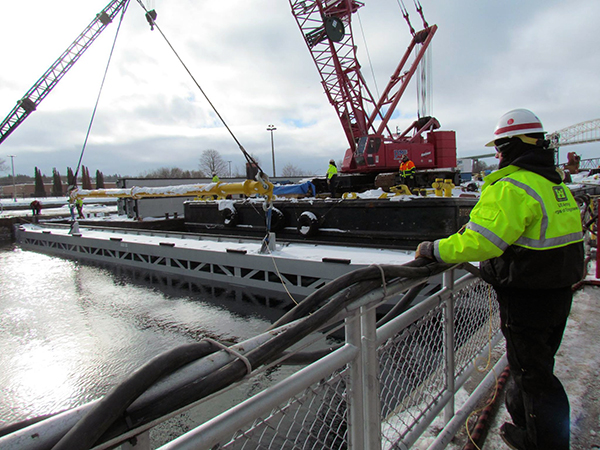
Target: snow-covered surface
[
  {"x": 59, "y": 207},
  {"x": 583, "y": 178},
  {"x": 305, "y": 252}
]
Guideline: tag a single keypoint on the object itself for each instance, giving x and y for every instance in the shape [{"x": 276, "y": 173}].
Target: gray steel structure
[{"x": 165, "y": 256}]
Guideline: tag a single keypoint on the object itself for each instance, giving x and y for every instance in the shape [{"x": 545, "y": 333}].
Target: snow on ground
[{"x": 57, "y": 207}]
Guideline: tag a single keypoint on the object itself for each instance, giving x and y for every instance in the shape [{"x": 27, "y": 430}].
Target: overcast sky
[{"x": 251, "y": 60}]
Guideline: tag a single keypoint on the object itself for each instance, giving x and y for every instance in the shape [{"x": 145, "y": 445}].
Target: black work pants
[
  {"x": 332, "y": 182},
  {"x": 533, "y": 323},
  {"x": 408, "y": 181}
]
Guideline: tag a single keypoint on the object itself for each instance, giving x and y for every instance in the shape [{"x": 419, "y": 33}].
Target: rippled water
[{"x": 69, "y": 331}]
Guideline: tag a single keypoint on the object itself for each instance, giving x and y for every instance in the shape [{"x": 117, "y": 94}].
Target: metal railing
[{"x": 381, "y": 389}]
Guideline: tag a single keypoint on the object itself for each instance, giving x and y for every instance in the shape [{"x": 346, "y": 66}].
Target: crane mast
[{"x": 34, "y": 96}]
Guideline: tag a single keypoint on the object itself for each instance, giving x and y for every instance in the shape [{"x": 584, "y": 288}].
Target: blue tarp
[{"x": 288, "y": 189}]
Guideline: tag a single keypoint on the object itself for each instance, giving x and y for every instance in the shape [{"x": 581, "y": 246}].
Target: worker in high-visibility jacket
[
  {"x": 332, "y": 177},
  {"x": 526, "y": 230},
  {"x": 407, "y": 171}
]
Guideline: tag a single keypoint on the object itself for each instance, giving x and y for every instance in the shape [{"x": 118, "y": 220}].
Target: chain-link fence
[{"x": 424, "y": 356}]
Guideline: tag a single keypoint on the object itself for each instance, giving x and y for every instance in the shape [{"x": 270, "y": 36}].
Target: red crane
[{"x": 373, "y": 148}]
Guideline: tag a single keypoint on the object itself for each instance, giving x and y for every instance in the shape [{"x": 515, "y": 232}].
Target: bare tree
[
  {"x": 3, "y": 165},
  {"x": 211, "y": 161},
  {"x": 290, "y": 170},
  {"x": 172, "y": 172},
  {"x": 255, "y": 158},
  {"x": 480, "y": 166}
]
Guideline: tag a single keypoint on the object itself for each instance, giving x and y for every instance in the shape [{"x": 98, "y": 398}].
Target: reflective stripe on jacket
[
  {"x": 407, "y": 169},
  {"x": 526, "y": 229}
]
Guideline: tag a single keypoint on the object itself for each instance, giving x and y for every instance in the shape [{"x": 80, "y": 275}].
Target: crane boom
[{"x": 34, "y": 96}]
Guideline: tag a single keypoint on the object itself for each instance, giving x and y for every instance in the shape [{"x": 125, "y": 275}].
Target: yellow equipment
[{"x": 212, "y": 190}]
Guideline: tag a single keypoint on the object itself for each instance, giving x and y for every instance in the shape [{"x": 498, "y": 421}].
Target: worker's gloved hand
[{"x": 425, "y": 250}]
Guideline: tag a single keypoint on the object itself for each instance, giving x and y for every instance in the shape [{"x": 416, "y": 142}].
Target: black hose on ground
[
  {"x": 310, "y": 357},
  {"x": 236, "y": 370},
  {"x": 90, "y": 427}
]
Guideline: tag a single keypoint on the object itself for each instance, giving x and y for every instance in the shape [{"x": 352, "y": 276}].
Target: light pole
[
  {"x": 272, "y": 128},
  {"x": 12, "y": 163},
  {"x": 229, "y": 168}
]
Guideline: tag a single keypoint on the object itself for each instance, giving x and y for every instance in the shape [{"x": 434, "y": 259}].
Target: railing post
[
  {"x": 356, "y": 419},
  {"x": 448, "y": 281},
  {"x": 370, "y": 360}
]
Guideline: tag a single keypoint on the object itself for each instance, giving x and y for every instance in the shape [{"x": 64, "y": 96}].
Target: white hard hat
[{"x": 516, "y": 122}]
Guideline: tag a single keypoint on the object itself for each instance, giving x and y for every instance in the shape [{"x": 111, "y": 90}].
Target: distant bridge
[{"x": 580, "y": 133}]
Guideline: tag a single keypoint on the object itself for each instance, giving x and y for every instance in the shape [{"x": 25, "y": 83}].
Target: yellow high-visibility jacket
[
  {"x": 525, "y": 228},
  {"x": 331, "y": 171}
]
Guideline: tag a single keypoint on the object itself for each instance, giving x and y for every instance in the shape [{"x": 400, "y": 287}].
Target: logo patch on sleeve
[{"x": 560, "y": 194}]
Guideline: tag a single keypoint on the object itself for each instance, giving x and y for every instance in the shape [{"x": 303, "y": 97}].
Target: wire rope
[
  {"x": 87, "y": 135},
  {"x": 362, "y": 32},
  {"x": 241, "y": 147}
]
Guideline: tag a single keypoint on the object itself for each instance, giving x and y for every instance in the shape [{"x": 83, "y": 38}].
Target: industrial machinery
[{"x": 373, "y": 148}]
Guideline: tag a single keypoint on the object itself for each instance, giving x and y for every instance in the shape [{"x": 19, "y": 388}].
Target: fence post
[
  {"x": 370, "y": 361},
  {"x": 356, "y": 418},
  {"x": 448, "y": 281}
]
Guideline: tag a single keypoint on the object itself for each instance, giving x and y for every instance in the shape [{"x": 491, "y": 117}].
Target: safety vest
[
  {"x": 407, "y": 169},
  {"x": 215, "y": 179},
  {"x": 331, "y": 171},
  {"x": 523, "y": 210}
]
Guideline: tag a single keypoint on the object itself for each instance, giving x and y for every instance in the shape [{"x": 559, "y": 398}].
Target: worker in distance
[
  {"x": 526, "y": 231},
  {"x": 407, "y": 171}
]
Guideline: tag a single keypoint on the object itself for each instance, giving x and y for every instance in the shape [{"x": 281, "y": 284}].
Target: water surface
[{"x": 69, "y": 331}]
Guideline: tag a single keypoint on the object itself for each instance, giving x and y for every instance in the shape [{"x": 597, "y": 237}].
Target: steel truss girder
[{"x": 580, "y": 133}]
